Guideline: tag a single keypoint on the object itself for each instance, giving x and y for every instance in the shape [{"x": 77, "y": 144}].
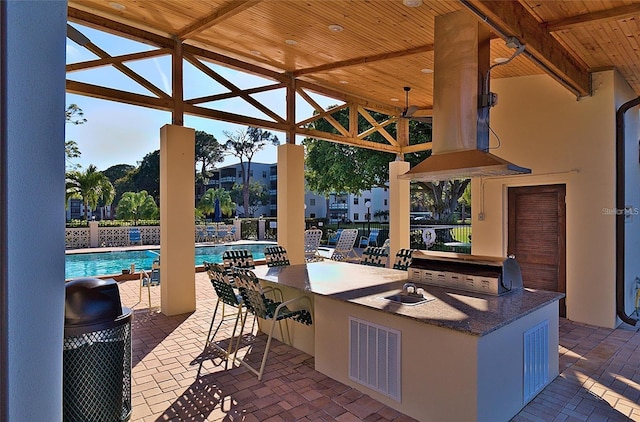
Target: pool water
[{"x": 105, "y": 263}]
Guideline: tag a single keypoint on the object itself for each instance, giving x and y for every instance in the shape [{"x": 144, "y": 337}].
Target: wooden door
[{"x": 537, "y": 225}]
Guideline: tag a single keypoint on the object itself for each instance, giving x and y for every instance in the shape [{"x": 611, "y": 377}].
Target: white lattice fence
[
  {"x": 113, "y": 236},
  {"x": 77, "y": 238},
  {"x": 150, "y": 235}
]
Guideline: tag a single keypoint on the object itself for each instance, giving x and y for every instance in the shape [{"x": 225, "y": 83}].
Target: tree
[
  {"x": 465, "y": 201},
  {"x": 145, "y": 177},
  {"x": 381, "y": 214},
  {"x": 441, "y": 198},
  {"x": 136, "y": 206},
  {"x": 208, "y": 153},
  {"x": 258, "y": 196},
  {"x": 91, "y": 186},
  {"x": 244, "y": 145},
  {"x": 335, "y": 168},
  {"x": 74, "y": 115},
  {"x": 208, "y": 200}
]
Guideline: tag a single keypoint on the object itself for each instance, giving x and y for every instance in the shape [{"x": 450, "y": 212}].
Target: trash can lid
[{"x": 91, "y": 300}]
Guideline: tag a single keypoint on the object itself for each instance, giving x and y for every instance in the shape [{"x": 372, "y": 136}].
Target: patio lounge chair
[
  {"x": 334, "y": 239},
  {"x": 276, "y": 256},
  {"x": 227, "y": 296},
  {"x": 134, "y": 236},
  {"x": 230, "y": 236},
  {"x": 312, "y": 239},
  {"x": 375, "y": 257},
  {"x": 212, "y": 234},
  {"x": 201, "y": 234},
  {"x": 370, "y": 240},
  {"x": 149, "y": 280},
  {"x": 221, "y": 233},
  {"x": 404, "y": 257},
  {"x": 267, "y": 309},
  {"x": 344, "y": 246}
]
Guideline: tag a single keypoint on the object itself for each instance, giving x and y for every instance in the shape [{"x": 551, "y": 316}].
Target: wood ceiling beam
[
  {"x": 115, "y": 28},
  {"x": 327, "y": 116},
  {"x": 324, "y": 113},
  {"x": 110, "y": 94},
  {"x": 510, "y": 18},
  {"x": 227, "y": 95},
  {"x": 232, "y": 87},
  {"x": 377, "y": 127},
  {"x": 233, "y": 118},
  {"x": 73, "y": 67},
  {"x": 364, "y": 60},
  {"x": 234, "y": 63},
  {"x": 124, "y": 69},
  {"x": 348, "y": 98},
  {"x": 225, "y": 12},
  {"x": 326, "y": 136},
  {"x": 426, "y": 146},
  {"x": 622, "y": 12}
]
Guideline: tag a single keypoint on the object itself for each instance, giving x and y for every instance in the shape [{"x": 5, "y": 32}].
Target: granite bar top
[{"x": 471, "y": 313}]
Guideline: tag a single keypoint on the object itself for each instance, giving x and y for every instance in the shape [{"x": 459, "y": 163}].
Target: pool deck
[{"x": 599, "y": 373}]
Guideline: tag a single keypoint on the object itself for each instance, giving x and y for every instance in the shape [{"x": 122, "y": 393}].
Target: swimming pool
[{"x": 104, "y": 263}]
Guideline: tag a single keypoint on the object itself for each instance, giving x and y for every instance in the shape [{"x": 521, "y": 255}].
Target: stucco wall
[{"x": 541, "y": 126}]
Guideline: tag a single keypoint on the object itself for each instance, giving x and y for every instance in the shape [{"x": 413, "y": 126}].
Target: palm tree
[
  {"x": 207, "y": 202},
  {"x": 91, "y": 186},
  {"x": 135, "y": 206}
]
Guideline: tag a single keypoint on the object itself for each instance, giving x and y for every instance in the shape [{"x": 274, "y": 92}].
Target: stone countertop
[{"x": 471, "y": 313}]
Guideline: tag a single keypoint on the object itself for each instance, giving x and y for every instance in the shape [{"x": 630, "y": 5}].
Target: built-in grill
[{"x": 482, "y": 274}]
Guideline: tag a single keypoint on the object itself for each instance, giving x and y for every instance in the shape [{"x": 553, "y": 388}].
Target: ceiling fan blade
[
  {"x": 409, "y": 111},
  {"x": 426, "y": 119}
]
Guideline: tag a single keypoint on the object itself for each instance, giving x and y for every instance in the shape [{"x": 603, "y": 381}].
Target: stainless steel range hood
[{"x": 460, "y": 125}]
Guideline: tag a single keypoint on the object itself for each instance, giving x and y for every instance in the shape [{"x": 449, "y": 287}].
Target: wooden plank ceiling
[{"x": 367, "y": 51}]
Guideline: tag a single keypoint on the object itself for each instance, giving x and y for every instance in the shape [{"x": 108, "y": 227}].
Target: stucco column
[
  {"x": 398, "y": 207},
  {"x": 291, "y": 201},
  {"x": 177, "y": 220},
  {"x": 94, "y": 234},
  {"x": 32, "y": 65}
]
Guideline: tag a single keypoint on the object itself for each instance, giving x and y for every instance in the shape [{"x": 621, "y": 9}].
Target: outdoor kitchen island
[{"x": 459, "y": 357}]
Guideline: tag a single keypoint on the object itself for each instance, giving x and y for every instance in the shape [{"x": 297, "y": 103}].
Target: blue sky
[{"x": 117, "y": 133}]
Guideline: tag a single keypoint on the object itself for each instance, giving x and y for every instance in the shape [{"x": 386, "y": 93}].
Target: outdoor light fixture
[
  {"x": 335, "y": 28},
  {"x": 412, "y": 3},
  {"x": 117, "y": 6}
]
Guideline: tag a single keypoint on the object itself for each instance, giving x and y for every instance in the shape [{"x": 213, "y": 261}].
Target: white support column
[
  {"x": 177, "y": 222},
  {"x": 291, "y": 201},
  {"x": 32, "y": 65},
  {"x": 398, "y": 207}
]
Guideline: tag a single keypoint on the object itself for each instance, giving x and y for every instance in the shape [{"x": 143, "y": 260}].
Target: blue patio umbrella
[{"x": 217, "y": 214}]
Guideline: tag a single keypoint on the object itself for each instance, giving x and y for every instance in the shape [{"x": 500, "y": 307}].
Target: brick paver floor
[{"x": 599, "y": 375}]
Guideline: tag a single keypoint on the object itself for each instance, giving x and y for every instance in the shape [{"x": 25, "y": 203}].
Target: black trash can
[{"x": 96, "y": 353}]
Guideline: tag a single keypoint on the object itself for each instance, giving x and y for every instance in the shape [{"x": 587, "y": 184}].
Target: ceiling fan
[{"x": 409, "y": 111}]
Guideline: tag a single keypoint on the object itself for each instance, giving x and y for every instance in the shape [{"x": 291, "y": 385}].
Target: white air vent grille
[
  {"x": 536, "y": 359},
  {"x": 374, "y": 357}
]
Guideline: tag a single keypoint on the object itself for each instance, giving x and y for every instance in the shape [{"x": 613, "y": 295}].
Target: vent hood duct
[{"x": 460, "y": 126}]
